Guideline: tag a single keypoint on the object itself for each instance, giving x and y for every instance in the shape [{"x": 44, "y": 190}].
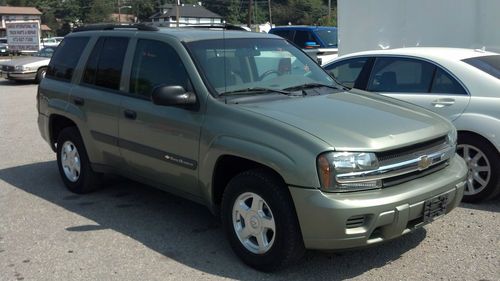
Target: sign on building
[{"x": 23, "y": 36}]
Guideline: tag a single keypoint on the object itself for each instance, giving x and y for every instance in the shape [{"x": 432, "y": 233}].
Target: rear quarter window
[{"x": 65, "y": 59}]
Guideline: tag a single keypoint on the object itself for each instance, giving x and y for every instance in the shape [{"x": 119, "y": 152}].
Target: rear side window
[
  {"x": 488, "y": 64},
  {"x": 156, "y": 63},
  {"x": 105, "y": 64},
  {"x": 304, "y": 39},
  {"x": 444, "y": 83},
  {"x": 347, "y": 72},
  {"x": 66, "y": 58},
  {"x": 401, "y": 75}
]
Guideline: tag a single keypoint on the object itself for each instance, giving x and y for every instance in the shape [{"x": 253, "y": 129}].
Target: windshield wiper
[
  {"x": 315, "y": 85},
  {"x": 255, "y": 91}
]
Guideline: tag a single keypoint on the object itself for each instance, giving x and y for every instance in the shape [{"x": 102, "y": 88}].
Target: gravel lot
[{"x": 129, "y": 231}]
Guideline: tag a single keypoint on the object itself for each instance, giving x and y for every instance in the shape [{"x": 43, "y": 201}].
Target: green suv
[{"x": 250, "y": 126}]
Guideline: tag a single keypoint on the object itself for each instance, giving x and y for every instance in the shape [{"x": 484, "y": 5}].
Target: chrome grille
[{"x": 7, "y": 68}]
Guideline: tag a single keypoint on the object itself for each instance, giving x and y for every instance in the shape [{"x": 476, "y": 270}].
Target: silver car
[
  {"x": 460, "y": 84},
  {"x": 27, "y": 68}
]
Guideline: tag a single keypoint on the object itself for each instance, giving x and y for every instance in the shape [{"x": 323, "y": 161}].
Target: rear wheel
[
  {"x": 483, "y": 162},
  {"x": 260, "y": 221},
  {"x": 74, "y": 164}
]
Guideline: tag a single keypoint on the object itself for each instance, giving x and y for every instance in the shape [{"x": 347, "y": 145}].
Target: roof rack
[
  {"x": 220, "y": 25},
  {"x": 113, "y": 26}
]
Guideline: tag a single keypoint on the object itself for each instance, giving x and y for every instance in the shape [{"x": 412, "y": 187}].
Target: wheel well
[
  {"x": 56, "y": 124},
  {"x": 462, "y": 134},
  {"x": 229, "y": 166}
]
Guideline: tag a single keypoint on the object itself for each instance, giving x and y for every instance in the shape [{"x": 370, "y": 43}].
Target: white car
[{"x": 462, "y": 85}]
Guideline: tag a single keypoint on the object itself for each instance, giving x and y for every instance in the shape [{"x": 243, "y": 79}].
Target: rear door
[
  {"x": 419, "y": 82},
  {"x": 159, "y": 143},
  {"x": 98, "y": 97}
]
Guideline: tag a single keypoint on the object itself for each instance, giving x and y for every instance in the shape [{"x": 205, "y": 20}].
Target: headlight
[
  {"x": 19, "y": 67},
  {"x": 332, "y": 164}
]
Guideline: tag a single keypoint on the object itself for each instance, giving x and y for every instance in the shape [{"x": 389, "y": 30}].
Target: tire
[
  {"x": 483, "y": 161},
  {"x": 274, "y": 220},
  {"x": 40, "y": 75},
  {"x": 74, "y": 164}
]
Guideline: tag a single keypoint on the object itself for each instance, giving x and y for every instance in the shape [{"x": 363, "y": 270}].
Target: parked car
[
  {"x": 27, "y": 68},
  {"x": 253, "y": 128},
  {"x": 319, "y": 42},
  {"x": 460, "y": 84},
  {"x": 49, "y": 42},
  {"x": 4, "y": 47}
]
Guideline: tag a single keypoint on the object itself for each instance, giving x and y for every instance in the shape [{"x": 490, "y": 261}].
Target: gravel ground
[{"x": 129, "y": 231}]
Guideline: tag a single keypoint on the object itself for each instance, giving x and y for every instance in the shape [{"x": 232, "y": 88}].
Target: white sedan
[{"x": 462, "y": 85}]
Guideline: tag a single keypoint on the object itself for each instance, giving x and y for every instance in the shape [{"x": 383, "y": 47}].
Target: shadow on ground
[{"x": 187, "y": 232}]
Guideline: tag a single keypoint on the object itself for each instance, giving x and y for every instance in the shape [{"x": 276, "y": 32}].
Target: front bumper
[
  {"x": 331, "y": 221},
  {"x": 18, "y": 75}
]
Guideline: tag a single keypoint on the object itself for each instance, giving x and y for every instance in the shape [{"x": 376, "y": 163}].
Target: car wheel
[
  {"x": 40, "y": 74},
  {"x": 260, "y": 222},
  {"x": 74, "y": 164},
  {"x": 483, "y": 162}
]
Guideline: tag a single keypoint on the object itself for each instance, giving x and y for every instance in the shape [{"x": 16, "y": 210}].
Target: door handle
[
  {"x": 78, "y": 101},
  {"x": 130, "y": 114},
  {"x": 443, "y": 102}
]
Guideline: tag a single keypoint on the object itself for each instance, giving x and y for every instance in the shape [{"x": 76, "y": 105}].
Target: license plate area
[{"x": 435, "y": 207}]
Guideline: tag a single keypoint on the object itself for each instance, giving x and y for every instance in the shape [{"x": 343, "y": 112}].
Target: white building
[
  {"x": 188, "y": 15},
  {"x": 11, "y": 14}
]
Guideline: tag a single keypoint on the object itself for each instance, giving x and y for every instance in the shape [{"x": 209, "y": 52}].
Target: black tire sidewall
[{"x": 287, "y": 234}]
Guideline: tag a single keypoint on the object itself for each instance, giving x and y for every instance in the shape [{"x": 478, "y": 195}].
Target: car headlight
[
  {"x": 19, "y": 67},
  {"x": 332, "y": 164}
]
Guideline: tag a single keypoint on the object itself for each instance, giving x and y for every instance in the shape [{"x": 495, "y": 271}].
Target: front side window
[
  {"x": 156, "y": 63},
  {"x": 401, "y": 75},
  {"x": 236, "y": 64},
  {"x": 347, "y": 72},
  {"x": 104, "y": 66},
  {"x": 66, "y": 57}
]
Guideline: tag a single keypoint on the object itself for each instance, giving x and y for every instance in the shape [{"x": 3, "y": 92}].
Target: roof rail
[
  {"x": 225, "y": 26},
  {"x": 113, "y": 26}
]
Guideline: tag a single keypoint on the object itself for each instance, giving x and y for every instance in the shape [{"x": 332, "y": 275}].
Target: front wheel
[
  {"x": 483, "y": 162},
  {"x": 40, "y": 75},
  {"x": 259, "y": 219}
]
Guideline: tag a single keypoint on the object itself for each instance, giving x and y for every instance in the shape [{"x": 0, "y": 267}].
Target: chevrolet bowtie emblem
[{"x": 424, "y": 162}]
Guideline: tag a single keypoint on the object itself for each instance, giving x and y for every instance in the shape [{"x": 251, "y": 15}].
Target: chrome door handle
[{"x": 443, "y": 102}]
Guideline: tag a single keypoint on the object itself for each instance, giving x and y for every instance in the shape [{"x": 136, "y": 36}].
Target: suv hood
[{"x": 356, "y": 121}]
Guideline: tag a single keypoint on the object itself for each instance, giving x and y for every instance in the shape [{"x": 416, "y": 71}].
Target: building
[
  {"x": 11, "y": 14},
  {"x": 123, "y": 18},
  {"x": 188, "y": 15}
]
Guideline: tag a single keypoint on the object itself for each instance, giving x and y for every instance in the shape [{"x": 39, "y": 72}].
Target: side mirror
[{"x": 172, "y": 96}]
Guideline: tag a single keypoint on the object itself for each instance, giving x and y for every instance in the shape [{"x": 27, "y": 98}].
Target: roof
[
  {"x": 45, "y": 27},
  {"x": 192, "y": 11},
  {"x": 303, "y": 27},
  {"x": 8, "y": 10},
  {"x": 190, "y": 34},
  {"x": 434, "y": 53}
]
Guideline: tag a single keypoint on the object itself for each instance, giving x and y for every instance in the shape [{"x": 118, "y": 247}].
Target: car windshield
[
  {"x": 45, "y": 52},
  {"x": 329, "y": 36},
  {"x": 488, "y": 64},
  {"x": 233, "y": 66}
]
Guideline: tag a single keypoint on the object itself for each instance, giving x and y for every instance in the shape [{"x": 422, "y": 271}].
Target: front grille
[
  {"x": 413, "y": 175},
  {"x": 7, "y": 68},
  {"x": 411, "y": 150}
]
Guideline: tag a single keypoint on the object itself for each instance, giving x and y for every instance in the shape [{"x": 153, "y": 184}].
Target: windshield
[
  {"x": 329, "y": 36},
  {"x": 488, "y": 64},
  {"x": 233, "y": 65}
]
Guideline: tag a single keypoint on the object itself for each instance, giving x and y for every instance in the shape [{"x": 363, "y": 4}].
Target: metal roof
[{"x": 8, "y": 10}]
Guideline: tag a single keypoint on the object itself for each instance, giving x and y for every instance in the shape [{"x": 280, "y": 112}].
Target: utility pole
[
  {"x": 329, "y": 10},
  {"x": 250, "y": 13},
  {"x": 270, "y": 14},
  {"x": 177, "y": 11}
]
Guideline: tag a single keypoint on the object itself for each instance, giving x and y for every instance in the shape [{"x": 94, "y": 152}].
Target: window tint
[
  {"x": 104, "y": 66},
  {"x": 488, "y": 64},
  {"x": 66, "y": 57},
  {"x": 400, "y": 75},
  {"x": 156, "y": 63},
  {"x": 287, "y": 34},
  {"x": 301, "y": 37},
  {"x": 444, "y": 83},
  {"x": 346, "y": 72}
]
